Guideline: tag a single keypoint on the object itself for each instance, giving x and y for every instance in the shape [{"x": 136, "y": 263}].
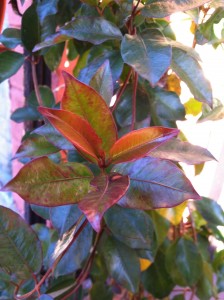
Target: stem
[
  {"x": 121, "y": 91},
  {"x": 192, "y": 294},
  {"x": 192, "y": 224},
  {"x": 135, "y": 85},
  {"x": 35, "y": 82}
]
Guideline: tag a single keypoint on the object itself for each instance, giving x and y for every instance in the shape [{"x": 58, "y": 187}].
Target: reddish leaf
[
  {"x": 109, "y": 189},
  {"x": 45, "y": 183},
  {"x": 87, "y": 103},
  {"x": 138, "y": 143},
  {"x": 77, "y": 130}
]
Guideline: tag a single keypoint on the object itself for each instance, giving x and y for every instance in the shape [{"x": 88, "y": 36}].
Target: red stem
[
  {"x": 35, "y": 82},
  {"x": 135, "y": 85}
]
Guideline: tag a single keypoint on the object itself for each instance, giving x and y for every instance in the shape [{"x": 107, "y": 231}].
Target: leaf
[
  {"x": 46, "y": 8},
  {"x": 132, "y": 227},
  {"x": 26, "y": 113},
  {"x": 138, "y": 143},
  {"x": 77, "y": 130},
  {"x": 45, "y": 183},
  {"x": 35, "y": 146},
  {"x": 148, "y": 53},
  {"x": 30, "y": 35},
  {"x": 11, "y": 37},
  {"x": 189, "y": 71},
  {"x": 100, "y": 291},
  {"x": 102, "y": 82},
  {"x": 193, "y": 107},
  {"x": 205, "y": 284},
  {"x": 64, "y": 217},
  {"x": 155, "y": 184},
  {"x": 47, "y": 97},
  {"x": 90, "y": 29},
  {"x": 184, "y": 262},
  {"x": 161, "y": 226},
  {"x": 45, "y": 297},
  {"x": 211, "y": 211},
  {"x": 174, "y": 214},
  {"x": 53, "y": 56},
  {"x": 163, "y": 8},
  {"x": 10, "y": 63},
  {"x": 122, "y": 264},
  {"x": 20, "y": 251},
  {"x": 214, "y": 114},
  {"x": 87, "y": 103},
  {"x": 179, "y": 151},
  {"x": 42, "y": 211},
  {"x": 108, "y": 190}
]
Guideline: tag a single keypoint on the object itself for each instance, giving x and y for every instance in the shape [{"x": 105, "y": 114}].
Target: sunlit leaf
[
  {"x": 45, "y": 183},
  {"x": 109, "y": 189},
  {"x": 193, "y": 107},
  {"x": 10, "y": 63},
  {"x": 138, "y": 143},
  {"x": 155, "y": 183},
  {"x": 20, "y": 251}
]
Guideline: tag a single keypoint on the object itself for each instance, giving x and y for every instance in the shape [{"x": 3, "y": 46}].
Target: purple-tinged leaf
[
  {"x": 20, "y": 250},
  {"x": 45, "y": 183},
  {"x": 155, "y": 183},
  {"x": 179, "y": 151},
  {"x": 109, "y": 189}
]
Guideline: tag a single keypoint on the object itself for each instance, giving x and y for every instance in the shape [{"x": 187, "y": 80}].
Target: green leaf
[
  {"x": 53, "y": 56},
  {"x": 87, "y": 103},
  {"x": 30, "y": 35},
  {"x": 46, "y": 8},
  {"x": 132, "y": 227},
  {"x": 26, "y": 113},
  {"x": 163, "y": 8},
  {"x": 189, "y": 71},
  {"x": 35, "y": 146},
  {"x": 20, "y": 251},
  {"x": 179, "y": 151},
  {"x": 90, "y": 29},
  {"x": 43, "y": 212},
  {"x": 138, "y": 143},
  {"x": 102, "y": 82},
  {"x": 161, "y": 226},
  {"x": 154, "y": 184},
  {"x": 47, "y": 97},
  {"x": 45, "y": 183},
  {"x": 214, "y": 114},
  {"x": 156, "y": 278},
  {"x": 100, "y": 291},
  {"x": 108, "y": 191},
  {"x": 205, "y": 289},
  {"x": 211, "y": 211},
  {"x": 174, "y": 214},
  {"x": 10, "y": 63},
  {"x": 149, "y": 54},
  {"x": 184, "y": 262},
  {"x": 11, "y": 37},
  {"x": 122, "y": 264}
]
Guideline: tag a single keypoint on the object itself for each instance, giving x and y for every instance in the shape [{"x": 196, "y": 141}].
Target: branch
[
  {"x": 35, "y": 82},
  {"x": 135, "y": 85}
]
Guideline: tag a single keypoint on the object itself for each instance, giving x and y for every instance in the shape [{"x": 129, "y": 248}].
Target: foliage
[{"x": 106, "y": 176}]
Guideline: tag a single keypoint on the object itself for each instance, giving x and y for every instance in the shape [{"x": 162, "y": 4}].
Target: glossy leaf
[
  {"x": 163, "y": 8},
  {"x": 77, "y": 130},
  {"x": 174, "y": 214},
  {"x": 35, "y": 146},
  {"x": 46, "y": 8},
  {"x": 132, "y": 227},
  {"x": 20, "y": 251},
  {"x": 148, "y": 54},
  {"x": 179, "y": 151},
  {"x": 184, "y": 262},
  {"x": 122, "y": 264},
  {"x": 53, "y": 56},
  {"x": 89, "y": 29},
  {"x": 26, "y": 113},
  {"x": 47, "y": 97},
  {"x": 11, "y": 37},
  {"x": 87, "y": 103},
  {"x": 102, "y": 82},
  {"x": 138, "y": 143},
  {"x": 189, "y": 71},
  {"x": 211, "y": 211},
  {"x": 45, "y": 183},
  {"x": 108, "y": 191},
  {"x": 154, "y": 184},
  {"x": 10, "y": 63}
]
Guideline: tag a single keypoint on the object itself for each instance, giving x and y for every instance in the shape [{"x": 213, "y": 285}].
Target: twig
[
  {"x": 135, "y": 85},
  {"x": 35, "y": 82}
]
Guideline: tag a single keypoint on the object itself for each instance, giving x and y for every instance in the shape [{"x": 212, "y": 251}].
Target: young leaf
[
  {"x": 155, "y": 184},
  {"x": 138, "y": 143},
  {"x": 122, "y": 264},
  {"x": 87, "y": 103},
  {"x": 149, "y": 54},
  {"x": 20, "y": 251},
  {"x": 77, "y": 130},
  {"x": 109, "y": 190},
  {"x": 177, "y": 150},
  {"x": 10, "y": 63},
  {"x": 45, "y": 183}
]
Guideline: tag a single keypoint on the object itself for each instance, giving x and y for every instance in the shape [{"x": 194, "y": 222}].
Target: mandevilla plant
[{"x": 105, "y": 174}]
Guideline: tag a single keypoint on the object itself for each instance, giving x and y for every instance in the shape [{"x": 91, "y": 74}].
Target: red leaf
[
  {"x": 109, "y": 189},
  {"x": 138, "y": 143},
  {"x": 84, "y": 101},
  {"x": 77, "y": 130}
]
